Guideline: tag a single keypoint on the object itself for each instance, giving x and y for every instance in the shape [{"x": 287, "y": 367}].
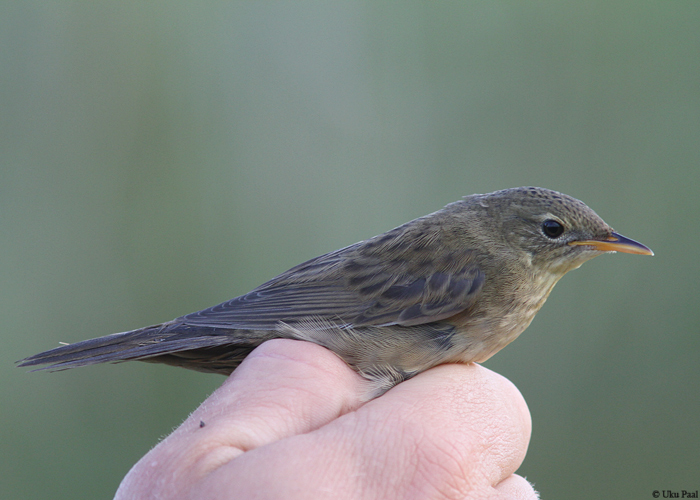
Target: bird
[{"x": 454, "y": 286}]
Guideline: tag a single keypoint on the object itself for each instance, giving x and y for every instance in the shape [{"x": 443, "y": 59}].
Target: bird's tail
[{"x": 204, "y": 349}]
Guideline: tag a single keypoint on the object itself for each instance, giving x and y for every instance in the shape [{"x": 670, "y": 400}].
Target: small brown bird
[{"x": 457, "y": 285}]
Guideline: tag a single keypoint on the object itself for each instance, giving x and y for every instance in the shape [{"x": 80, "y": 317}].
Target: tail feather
[{"x": 146, "y": 344}]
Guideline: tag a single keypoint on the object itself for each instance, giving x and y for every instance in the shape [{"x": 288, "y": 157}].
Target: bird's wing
[{"x": 356, "y": 286}]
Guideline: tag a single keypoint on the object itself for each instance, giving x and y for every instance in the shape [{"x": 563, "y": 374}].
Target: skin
[{"x": 290, "y": 423}]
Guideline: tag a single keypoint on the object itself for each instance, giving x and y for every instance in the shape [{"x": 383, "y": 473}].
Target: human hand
[{"x": 291, "y": 423}]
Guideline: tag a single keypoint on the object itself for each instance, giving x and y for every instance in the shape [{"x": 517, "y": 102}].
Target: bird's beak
[{"x": 616, "y": 243}]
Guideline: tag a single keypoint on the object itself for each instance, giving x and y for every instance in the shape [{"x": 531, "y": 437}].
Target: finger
[
  {"x": 430, "y": 437},
  {"x": 477, "y": 423},
  {"x": 282, "y": 388},
  {"x": 480, "y": 418},
  {"x": 517, "y": 488}
]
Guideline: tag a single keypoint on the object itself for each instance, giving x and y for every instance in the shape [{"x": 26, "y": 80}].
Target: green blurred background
[{"x": 160, "y": 157}]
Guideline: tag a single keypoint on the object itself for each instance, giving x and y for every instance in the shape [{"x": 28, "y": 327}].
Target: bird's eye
[{"x": 552, "y": 228}]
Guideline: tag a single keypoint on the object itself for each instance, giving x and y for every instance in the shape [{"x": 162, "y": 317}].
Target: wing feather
[{"x": 387, "y": 280}]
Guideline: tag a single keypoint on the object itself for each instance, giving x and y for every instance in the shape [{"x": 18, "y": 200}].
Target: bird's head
[{"x": 551, "y": 231}]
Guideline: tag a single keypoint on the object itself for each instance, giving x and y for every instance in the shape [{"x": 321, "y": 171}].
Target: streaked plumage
[{"x": 454, "y": 286}]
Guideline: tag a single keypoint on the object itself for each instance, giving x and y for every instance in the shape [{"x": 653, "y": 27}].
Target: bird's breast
[{"x": 500, "y": 318}]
